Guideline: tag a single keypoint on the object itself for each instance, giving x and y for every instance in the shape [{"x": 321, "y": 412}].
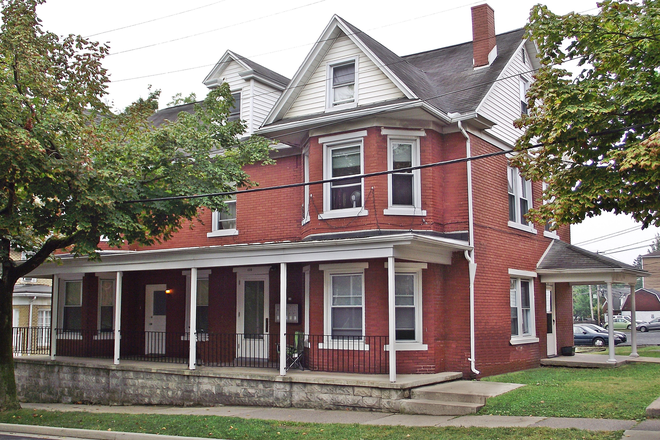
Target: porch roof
[
  {"x": 563, "y": 262},
  {"x": 406, "y": 245}
]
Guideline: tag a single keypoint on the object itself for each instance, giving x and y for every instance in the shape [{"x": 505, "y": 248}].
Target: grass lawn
[
  {"x": 648, "y": 351},
  {"x": 611, "y": 393},
  {"x": 236, "y": 428}
]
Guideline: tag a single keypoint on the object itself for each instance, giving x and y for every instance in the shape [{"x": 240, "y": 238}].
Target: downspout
[{"x": 469, "y": 255}]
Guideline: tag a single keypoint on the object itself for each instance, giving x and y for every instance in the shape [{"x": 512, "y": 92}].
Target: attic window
[
  {"x": 235, "y": 110},
  {"x": 524, "y": 86},
  {"x": 342, "y": 84}
]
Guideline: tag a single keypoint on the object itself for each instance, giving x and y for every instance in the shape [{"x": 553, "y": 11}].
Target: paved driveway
[{"x": 648, "y": 338}]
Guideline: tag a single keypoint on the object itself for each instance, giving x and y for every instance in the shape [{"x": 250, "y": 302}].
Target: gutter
[{"x": 469, "y": 255}]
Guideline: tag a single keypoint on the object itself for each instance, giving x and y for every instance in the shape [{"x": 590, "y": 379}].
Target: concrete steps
[{"x": 455, "y": 398}]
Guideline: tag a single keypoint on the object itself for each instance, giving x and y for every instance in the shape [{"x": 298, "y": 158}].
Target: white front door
[
  {"x": 155, "y": 313},
  {"x": 252, "y": 324},
  {"x": 551, "y": 319}
]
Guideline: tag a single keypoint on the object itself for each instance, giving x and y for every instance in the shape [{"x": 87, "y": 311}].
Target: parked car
[
  {"x": 600, "y": 329},
  {"x": 653, "y": 324},
  {"x": 620, "y": 322},
  {"x": 583, "y": 335}
]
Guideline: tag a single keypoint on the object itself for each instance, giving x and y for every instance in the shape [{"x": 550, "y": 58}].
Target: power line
[
  {"x": 607, "y": 236},
  {"x": 154, "y": 19}
]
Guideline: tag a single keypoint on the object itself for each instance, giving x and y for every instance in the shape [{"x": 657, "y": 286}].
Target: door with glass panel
[
  {"x": 252, "y": 316},
  {"x": 155, "y": 318},
  {"x": 551, "y": 320}
]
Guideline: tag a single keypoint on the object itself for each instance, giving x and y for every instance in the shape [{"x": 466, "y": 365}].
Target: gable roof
[
  {"x": 252, "y": 69},
  {"x": 171, "y": 113},
  {"x": 442, "y": 79}
]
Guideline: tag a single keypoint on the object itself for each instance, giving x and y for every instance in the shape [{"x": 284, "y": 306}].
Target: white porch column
[
  {"x": 192, "y": 331},
  {"x": 54, "y": 316},
  {"x": 283, "y": 319},
  {"x": 633, "y": 326},
  {"x": 610, "y": 323},
  {"x": 118, "y": 282},
  {"x": 391, "y": 308}
]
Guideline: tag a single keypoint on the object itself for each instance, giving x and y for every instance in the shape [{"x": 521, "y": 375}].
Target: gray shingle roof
[
  {"x": 170, "y": 113},
  {"x": 264, "y": 71},
  {"x": 563, "y": 256}
]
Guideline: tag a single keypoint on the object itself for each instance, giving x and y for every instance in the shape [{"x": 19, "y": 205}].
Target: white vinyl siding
[
  {"x": 263, "y": 101},
  {"x": 502, "y": 104},
  {"x": 373, "y": 86}
]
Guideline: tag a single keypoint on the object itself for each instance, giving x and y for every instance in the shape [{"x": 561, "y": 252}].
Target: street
[{"x": 648, "y": 338}]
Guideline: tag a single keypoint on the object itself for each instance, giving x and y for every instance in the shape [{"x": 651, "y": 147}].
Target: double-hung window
[
  {"x": 520, "y": 199},
  {"x": 524, "y": 86},
  {"x": 404, "y": 184},
  {"x": 343, "y": 167},
  {"x": 521, "y": 293},
  {"x": 106, "y": 305},
  {"x": 202, "y": 303},
  {"x": 342, "y": 84},
  {"x": 235, "y": 109},
  {"x": 344, "y": 301},
  {"x": 72, "y": 308},
  {"x": 224, "y": 222}
]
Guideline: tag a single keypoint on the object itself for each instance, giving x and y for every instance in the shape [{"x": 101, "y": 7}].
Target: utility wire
[{"x": 608, "y": 236}]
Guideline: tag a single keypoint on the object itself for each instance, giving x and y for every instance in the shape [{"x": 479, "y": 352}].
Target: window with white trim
[
  {"x": 72, "y": 306},
  {"x": 405, "y": 190},
  {"x": 235, "y": 109},
  {"x": 524, "y": 86},
  {"x": 342, "y": 80},
  {"x": 106, "y": 302},
  {"x": 43, "y": 324},
  {"x": 408, "y": 305},
  {"x": 344, "y": 300},
  {"x": 521, "y": 293},
  {"x": 224, "y": 221},
  {"x": 520, "y": 198},
  {"x": 202, "y": 312}
]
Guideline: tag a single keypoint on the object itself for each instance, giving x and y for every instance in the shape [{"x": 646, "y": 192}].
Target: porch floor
[
  {"x": 588, "y": 360},
  {"x": 381, "y": 381}
]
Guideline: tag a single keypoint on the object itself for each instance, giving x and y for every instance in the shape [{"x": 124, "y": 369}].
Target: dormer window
[
  {"x": 524, "y": 86},
  {"x": 342, "y": 81},
  {"x": 235, "y": 110}
]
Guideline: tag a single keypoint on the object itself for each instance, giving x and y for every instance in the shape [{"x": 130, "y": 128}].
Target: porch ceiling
[
  {"x": 565, "y": 263},
  {"x": 408, "y": 246}
]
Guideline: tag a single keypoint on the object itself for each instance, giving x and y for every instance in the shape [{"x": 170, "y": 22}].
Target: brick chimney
[{"x": 484, "y": 47}]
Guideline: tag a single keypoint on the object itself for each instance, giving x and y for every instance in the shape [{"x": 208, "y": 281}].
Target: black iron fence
[{"x": 348, "y": 354}]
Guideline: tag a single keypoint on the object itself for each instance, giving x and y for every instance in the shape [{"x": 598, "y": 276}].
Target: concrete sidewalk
[{"x": 646, "y": 430}]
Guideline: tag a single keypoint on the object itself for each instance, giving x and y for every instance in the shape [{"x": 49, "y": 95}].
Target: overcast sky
[{"x": 172, "y": 45}]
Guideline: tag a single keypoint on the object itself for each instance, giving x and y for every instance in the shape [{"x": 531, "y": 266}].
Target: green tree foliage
[
  {"x": 598, "y": 129},
  {"x": 71, "y": 167}
]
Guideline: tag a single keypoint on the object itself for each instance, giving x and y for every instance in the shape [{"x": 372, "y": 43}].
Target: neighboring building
[
  {"x": 651, "y": 264},
  {"x": 438, "y": 262},
  {"x": 647, "y": 304}
]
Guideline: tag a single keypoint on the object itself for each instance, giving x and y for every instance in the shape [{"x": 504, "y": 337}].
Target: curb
[{"x": 89, "y": 434}]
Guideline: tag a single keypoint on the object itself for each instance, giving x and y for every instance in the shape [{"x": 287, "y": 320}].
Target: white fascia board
[
  {"x": 377, "y": 61},
  {"x": 500, "y": 76},
  {"x": 261, "y": 254},
  {"x": 250, "y": 74},
  {"x": 220, "y": 66},
  {"x": 330, "y": 118},
  {"x": 310, "y": 62},
  {"x": 435, "y": 112},
  {"x": 588, "y": 276}
]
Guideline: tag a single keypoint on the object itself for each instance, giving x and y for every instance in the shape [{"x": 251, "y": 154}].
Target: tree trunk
[{"x": 8, "y": 396}]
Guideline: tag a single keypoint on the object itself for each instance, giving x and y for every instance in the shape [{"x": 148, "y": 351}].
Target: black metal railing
[
  {"x": 31, "y": 341},
  {"x": 347, "y": 354}
]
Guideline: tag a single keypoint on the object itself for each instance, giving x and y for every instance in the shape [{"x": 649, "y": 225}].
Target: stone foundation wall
[{"x": 52, "y": 381}]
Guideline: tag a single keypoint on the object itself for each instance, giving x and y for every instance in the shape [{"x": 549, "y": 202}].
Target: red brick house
[{"x": 407, "y": 228}]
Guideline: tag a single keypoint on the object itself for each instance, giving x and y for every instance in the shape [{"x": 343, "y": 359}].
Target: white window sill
[
  {"x": 101, "y": 336},
  {"x": 404, "y": 211},
  {"x": 522, "y": 227},
  {"x": 524, "y": 340},
  {"x": 222, "y": 233},
  {"x": 408, "y": 346},
  {"x": 305, "y": 220},
  {"x": 343, "y": 213},
  {"x": 337, "y": 107},
  {"x": 343, "y": 345},
  {"x": 201, "y": 337},
  {"x": 551, "y": 234}
]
